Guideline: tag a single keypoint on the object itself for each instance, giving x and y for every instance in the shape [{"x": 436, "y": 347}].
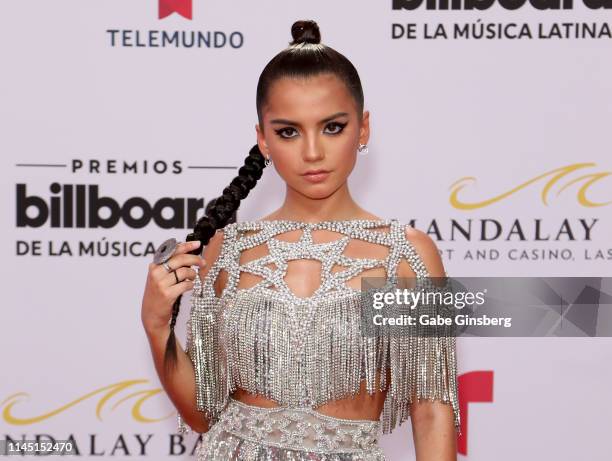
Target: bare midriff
[{"x": 360, "y": 406}]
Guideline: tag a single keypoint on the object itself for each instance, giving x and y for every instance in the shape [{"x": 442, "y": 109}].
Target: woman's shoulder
[{"x": 426, "y": 248}]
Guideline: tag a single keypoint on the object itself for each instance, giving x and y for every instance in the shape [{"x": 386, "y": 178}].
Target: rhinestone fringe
[{"x": 304, "y": 352}]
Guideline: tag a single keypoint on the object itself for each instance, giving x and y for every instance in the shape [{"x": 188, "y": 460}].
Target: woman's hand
[{"x": 161, "y": 289}]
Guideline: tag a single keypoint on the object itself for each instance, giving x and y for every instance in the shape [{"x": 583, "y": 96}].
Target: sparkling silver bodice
[{"x": 304, "y": 351}]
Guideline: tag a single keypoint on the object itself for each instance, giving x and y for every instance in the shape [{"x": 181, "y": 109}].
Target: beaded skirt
[{"x": 250, "y": 433}]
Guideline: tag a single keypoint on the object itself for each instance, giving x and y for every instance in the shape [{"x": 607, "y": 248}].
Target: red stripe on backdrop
[{"x": 475, "y": 386}]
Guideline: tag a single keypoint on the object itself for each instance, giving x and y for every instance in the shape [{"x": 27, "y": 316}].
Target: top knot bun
[{"x": 305, "y": 32}]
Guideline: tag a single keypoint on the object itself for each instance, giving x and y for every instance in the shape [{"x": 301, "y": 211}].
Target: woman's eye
[
  {"x": 284, "y": 130},
  {"x": 340, "y": 127},
  {"x": 286, "y": 133}
]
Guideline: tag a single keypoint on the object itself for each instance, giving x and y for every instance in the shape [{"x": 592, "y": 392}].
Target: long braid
[{"x": 217, "y": 216}]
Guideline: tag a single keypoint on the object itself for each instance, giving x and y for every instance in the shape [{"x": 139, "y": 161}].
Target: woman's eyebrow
[{"x": 282, "y": 121}]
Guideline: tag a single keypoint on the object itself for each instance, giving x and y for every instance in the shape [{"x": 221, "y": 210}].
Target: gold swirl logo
[
  {"x": 550, "y": 178},
  {"x": 103, "y": 394}
]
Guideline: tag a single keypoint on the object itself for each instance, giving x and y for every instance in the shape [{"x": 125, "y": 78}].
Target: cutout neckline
[{"x": 286, "y": 248}]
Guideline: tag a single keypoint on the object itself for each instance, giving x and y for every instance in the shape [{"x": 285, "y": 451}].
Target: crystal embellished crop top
[{"x": 304, "y": 351}]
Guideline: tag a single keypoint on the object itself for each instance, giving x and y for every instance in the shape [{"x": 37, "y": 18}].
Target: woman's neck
[{"x": 339, "y": 206}]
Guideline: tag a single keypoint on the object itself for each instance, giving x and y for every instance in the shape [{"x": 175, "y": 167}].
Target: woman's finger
[
  {"x": 182, "y": 273},
  {"x": 176, "y": 262},
  {"x": 186, "y": 260},
  {"x": 185, "y": 247},
  {"x": 179, "y": 288}
]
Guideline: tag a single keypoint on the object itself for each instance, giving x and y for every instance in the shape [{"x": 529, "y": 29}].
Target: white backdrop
[{"x": 84, "y": 82}]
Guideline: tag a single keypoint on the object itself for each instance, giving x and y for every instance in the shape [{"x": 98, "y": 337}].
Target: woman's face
[{"x": 311, "y": 124}]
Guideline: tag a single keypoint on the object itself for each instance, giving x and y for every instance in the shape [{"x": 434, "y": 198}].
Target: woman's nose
[{"x": 313, "y": 151}]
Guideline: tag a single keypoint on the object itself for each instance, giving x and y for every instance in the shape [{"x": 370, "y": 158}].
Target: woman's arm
[
  {"x": 433, "y": 431},
  {"x": 180, "y": 384},
  {"x": 433, "y": 427}
]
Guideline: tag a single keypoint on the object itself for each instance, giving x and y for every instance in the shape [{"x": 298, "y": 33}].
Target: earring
[
  {"x": 363, "y": 149},
  {"x": 267, "y": 161}
]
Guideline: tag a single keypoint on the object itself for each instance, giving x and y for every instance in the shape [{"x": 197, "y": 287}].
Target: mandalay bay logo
[
  {"x": 132, "y": 400},
  {"x": 548, "y": 180},
  {"x": 540, "y": 230},
  {"x": 123, "y": 391}
]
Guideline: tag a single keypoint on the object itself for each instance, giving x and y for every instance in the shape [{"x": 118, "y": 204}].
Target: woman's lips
[{"x": 317, "y": 177}]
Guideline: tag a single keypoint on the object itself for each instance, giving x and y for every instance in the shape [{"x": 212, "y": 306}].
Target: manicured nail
[{"x": 195, "y": 243}]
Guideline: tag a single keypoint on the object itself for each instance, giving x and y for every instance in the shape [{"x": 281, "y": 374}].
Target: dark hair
[
  {"x": 307, "y": 57},
  {"x": 219, "y": 212},
  {"x": 304, "y": 57}
]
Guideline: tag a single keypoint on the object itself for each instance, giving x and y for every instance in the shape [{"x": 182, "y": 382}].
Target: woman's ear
[
  {"x": 364, "y": 130},
  {"x": 261, "y": 140}
]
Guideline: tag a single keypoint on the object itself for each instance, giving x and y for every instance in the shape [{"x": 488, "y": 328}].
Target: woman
[{"x": 276, "y": 366}]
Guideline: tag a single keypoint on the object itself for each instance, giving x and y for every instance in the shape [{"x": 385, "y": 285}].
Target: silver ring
[
  {"x": 167, "y": 266},
  {"x": 165, "y": 251}
]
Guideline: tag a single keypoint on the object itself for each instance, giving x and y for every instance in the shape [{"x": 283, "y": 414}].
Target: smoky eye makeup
[
  {"x": 280, "y": 132},
  {"x": 340, "y": 126}
]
